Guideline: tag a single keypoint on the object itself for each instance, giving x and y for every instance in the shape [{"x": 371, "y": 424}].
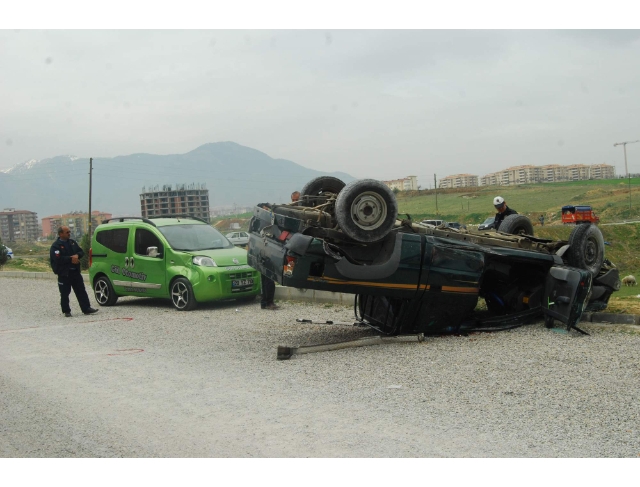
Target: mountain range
[{"x": 233, "y": 174}]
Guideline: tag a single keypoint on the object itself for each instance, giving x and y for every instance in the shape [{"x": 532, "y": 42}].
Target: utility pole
[
  {"x": 624, "y": 146},
  {"x": 90, "y": 177},
  {"x": 436, "y": 188}
]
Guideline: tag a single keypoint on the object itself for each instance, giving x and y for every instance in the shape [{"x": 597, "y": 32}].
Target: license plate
[{"x": 242, "y": 282}]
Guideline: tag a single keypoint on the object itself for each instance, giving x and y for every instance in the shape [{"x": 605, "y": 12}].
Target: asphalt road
[{"x": 142, "y": 380}]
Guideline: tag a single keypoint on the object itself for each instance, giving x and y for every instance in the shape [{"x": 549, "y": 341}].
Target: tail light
[
  {"x": 289, "y": 266},
  {"x": 90, "y": 256}
]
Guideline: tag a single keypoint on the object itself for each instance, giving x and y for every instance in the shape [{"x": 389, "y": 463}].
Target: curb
[
  {"x": 36, "y": 275},
  {"x": 327, "y": 297}
]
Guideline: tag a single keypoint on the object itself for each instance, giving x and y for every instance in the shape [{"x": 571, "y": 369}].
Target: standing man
[
  {"x": 268, "y": 293},
  {"x": 541, "y": 220},
  {"x": 503, "y": 210},
  {"x": 65, "y": 255}
]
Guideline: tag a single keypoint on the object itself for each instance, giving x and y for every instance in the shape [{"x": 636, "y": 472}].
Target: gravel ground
[{"x": 207, "y": 384}]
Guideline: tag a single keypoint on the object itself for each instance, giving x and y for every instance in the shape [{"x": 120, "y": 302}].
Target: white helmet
[{"x": 498, "y": 201}]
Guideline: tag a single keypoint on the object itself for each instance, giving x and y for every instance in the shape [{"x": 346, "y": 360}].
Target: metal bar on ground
[{"x": 285, "y": 353}]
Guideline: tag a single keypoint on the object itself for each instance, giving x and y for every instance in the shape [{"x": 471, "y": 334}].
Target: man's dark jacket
[
  {"x": 501, "y": 216},
  {"x": 60, "y": 256}
]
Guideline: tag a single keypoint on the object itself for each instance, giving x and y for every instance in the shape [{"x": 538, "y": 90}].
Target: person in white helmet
[{"x": 503, "y": 211}]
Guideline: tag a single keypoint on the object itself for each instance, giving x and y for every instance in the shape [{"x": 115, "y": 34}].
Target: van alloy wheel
[{"x": 182, "y": 295}]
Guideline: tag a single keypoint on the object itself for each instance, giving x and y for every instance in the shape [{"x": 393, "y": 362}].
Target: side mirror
[{"x": 152, "y": 251}]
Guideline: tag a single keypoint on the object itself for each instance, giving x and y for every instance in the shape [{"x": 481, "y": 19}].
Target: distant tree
[
  {"x": 85, "y": 244},
  {"x": 396, "y": 190},
  {"x": 3, "y": 254}
]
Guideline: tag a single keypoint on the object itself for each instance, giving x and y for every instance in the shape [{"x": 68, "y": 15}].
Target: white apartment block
[
  {"x": 410, "y": 183},
  {"x": 458, "y": 181},
  {"x": 602, "y": 171},
  {"x": 549, "y": 173}
]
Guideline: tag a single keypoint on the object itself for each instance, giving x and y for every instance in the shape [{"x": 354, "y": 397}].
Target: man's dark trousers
[
  {"x": 73, "y": 281},
  {"x": 268, "y": 291}
]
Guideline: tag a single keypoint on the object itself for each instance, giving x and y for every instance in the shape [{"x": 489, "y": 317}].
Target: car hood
[{"x": 223, "y": 257}]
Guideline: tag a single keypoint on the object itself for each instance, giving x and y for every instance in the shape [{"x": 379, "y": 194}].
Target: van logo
[{"x": 236, "y": 261}]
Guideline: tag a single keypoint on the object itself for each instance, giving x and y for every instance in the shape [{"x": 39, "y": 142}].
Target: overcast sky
[{"x": 373, "y": 103}]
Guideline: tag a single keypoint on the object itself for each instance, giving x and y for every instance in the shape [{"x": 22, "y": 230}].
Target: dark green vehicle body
[{"x": 420, "y": 279}]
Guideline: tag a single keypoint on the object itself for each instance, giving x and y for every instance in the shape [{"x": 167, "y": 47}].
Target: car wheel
[
  {"x": 516, "y": 225},
  {"x": 103, "y": 292},
  {"x": 322, "y": 184},
  {"x": 586, "y": 248},
  {"x": 366, "y": 210},
  {"x": 182, "y": 295}
]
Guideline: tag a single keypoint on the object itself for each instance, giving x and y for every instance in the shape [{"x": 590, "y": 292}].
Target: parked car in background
[
  {"x": 238, "y": 238},
  {"x": 455, "y": 225},
  {"x": 488, "y": 224},
  {"x": 433, "y": 223},
  {"x": 9, "y": 252}
]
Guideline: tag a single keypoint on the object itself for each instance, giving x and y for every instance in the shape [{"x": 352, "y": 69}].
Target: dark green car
[{"x": 408, "y": 277}]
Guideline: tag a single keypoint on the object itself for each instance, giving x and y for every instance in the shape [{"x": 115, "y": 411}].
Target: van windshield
[{"x": 194, "y": 237}]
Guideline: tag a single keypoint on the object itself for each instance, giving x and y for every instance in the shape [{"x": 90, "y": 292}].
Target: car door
[
  {"x": 147, "y": 266},
  {"x": 566, "y": 294}
]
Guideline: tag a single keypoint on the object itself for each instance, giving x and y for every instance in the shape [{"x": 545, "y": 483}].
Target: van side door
[{"x": 147, "y": 264}]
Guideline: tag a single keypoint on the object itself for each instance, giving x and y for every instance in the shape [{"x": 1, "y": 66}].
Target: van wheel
[
  {"x": 103, "y": 292},
  {"x": 366, "y": 210},
  {"x": 320, "y": 185},
  {"x": 182, "y": 295},
  {"x": 516, "y": 225},
  {"x": 586, "y": 248}
]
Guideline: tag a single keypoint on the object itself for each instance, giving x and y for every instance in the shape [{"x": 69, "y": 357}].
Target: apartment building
[
  {"x": 18, "y": 225},
  {"x": 458, "y": 181},
  {"x": 410, "y": 183},
  {"x": 602, "y": 171},
  {"x": 185, "y": 199},
  {"x": 577, "y": 172},
  {"x": 77, "y": 221},
  {"x": 550, "y": 173}
]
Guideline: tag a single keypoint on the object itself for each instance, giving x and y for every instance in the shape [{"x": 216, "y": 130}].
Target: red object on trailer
[{"x": 579, "y": 214}]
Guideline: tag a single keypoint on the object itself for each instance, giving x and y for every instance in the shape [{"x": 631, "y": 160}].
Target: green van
[{"x": 181, "y": 258}]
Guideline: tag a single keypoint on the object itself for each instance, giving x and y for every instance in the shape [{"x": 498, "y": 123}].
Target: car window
[
  {"x": 145, "y": 239},
  {"x": 244, "y": 235},
  {"x": 115, "y": 239},
  {"x": 194, "y": 237}
]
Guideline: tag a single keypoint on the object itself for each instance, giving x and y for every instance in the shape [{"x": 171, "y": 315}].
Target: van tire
[
  {"x": 322, "y": 184},
  {"x": 103, "y": 292},
  {"x": 366, "y": 210},
  {"x": 516, "y": 225},
  {"x": 586, "y": 248},
  {"x": 182, "y": 296}
]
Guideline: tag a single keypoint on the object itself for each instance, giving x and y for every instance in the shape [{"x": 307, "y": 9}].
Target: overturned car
[{"x": 411, "y": 278}]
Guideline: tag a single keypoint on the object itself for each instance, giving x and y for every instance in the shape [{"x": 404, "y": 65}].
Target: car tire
[
  {"x": 586, "y": 248},
  {"x": 182, "y": 296},
  {"x": 322, "y": 184},
  {"x": 366, "y": 210},
  {"x": 516, "y": 225},
  {"x": 103, "y": 292}
]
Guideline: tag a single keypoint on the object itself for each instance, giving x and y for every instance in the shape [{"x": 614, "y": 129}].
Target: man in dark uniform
[
  {"x": 503, "y": 211},
  {"x": 65, "y": 255}
]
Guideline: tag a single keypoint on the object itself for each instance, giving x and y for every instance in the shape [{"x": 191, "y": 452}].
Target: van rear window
[{"x": 115, "y": 239}]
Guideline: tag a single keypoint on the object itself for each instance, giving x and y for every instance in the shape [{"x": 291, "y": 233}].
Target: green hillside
[{"x": 609, "y": 198}]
